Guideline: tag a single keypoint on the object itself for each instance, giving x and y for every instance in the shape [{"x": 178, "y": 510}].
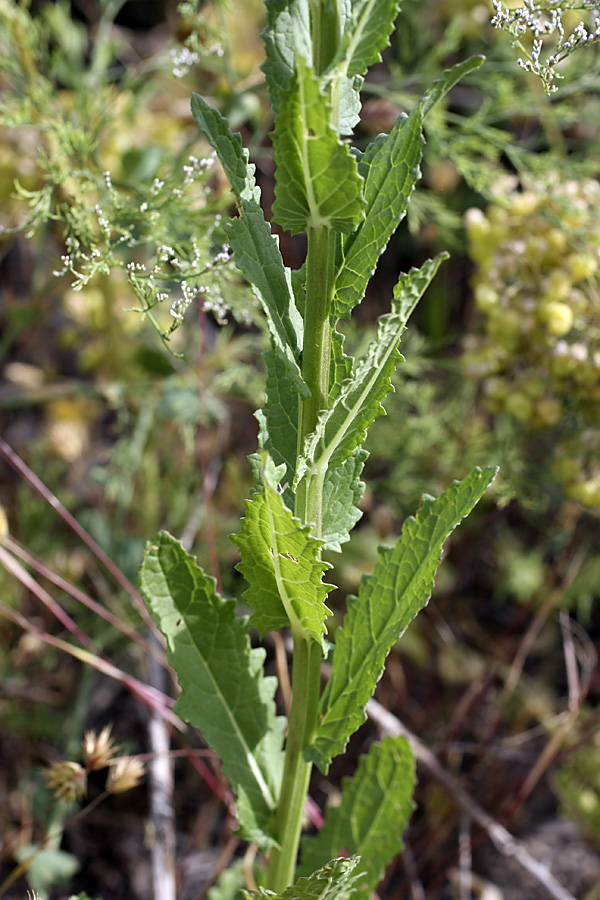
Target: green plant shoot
[{"x": 319, "y": 404}]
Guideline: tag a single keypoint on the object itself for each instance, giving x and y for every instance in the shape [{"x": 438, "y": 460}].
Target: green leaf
[
  {"x": 390, "y": 167},
  {"x": 317, "y": 180},
  {"x": 446, "y": 82},
  {"x": 256, "y": 249},
  {"x": 286, "y": 37},
  {"x": 223, "y": 688},
  {"x": 278, "y": 420},
  {"x": 374, "y": 811},
  {"x": 281, "y": 562},
  {"x": 343, "y": 426},
  {"x": 341, "y": 364},
  {"x": 230, "y": 882},
  {"x": 342, "y": 492},
  {"x": 366, "y": 33},
  {"x": 387, "y": 601},
  {"x": 47, "y": 867},
  {"x": 349, "y": 104},
  {"x": 334, "y": 881}
]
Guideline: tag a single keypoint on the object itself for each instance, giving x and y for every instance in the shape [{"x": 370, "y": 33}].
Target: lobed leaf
[
  {"x": 281, "y": 562},
  {"x": 387, "y": 601},
  {"x": 343, "y": 427},
  {"x": 374, "y": 811},
  {"x": 390, "y": 167},
  {"x": 223, "y": 688},
  {"x": 334, "y": 881},
  {"x": 256, "y": 249},
  {"x": 317, "y": 180}
]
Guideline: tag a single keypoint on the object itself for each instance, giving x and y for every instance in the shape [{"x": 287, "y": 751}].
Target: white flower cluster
[
  {"x": 183, "y": 60},
  {"x": 542, "y": 19},
  {"x": 188, "y": 295}
]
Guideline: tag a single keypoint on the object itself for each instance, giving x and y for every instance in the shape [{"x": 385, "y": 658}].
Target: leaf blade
[
  {"x": 342, "y": 492},
  {"x": 317, "y": 183},
  {"x": 334, "y": 881},
  {"x": 375, "y": 807},
  {"x": 446, "y": 82},
  {"x": 278, "y": 420},
  {"x": 256, "y": 249},
  {"x": 366, "y": 33},
  {"x": 286, "y": 36},
  {"x": 390, "y": 167},
  {"x": 343, "y": 427},
  {"x": 281, "y": 562},
  {"x": 387, "y": 601},
  {"x": 223, "y": 689}
]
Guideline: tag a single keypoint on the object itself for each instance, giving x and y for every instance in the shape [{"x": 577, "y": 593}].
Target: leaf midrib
[{"x": 251, "y": 759}]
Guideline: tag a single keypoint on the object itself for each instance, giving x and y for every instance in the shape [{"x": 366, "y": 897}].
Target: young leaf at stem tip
[
  {"x": 256, "y": 249},
  {"x": 317, "y": 184}
]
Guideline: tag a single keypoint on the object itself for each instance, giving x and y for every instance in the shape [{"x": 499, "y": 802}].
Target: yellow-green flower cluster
[{"x": 537, "y": 261}]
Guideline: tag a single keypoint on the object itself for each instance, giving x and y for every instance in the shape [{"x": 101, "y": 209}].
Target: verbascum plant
[{"x": 319, "y": 403}]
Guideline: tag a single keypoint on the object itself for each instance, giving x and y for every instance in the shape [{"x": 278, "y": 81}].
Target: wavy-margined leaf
[
  {"x": 366, "y": 33},
  {"x": 316, "y": 179},
  {"x": 446, "y": 82},
  {"x": 281, "y": 563},
  {"x": 341, "y": 364},
  {"x": 337, "y": 880},
  {"x": 286, "y": 37},
  {"x": 373, "y": 813},
  {"x": 342, "y": 492},
  {"x": 387, "y": 601},
  {"x": 343, "y": 426},
  {"x": 256, "y": 249},
  {"x": 349, "y": 103},
  {"x": 223, "y": 688},
  {"x": 390, "y": 167},
  {"x": 278, "y": 420}
]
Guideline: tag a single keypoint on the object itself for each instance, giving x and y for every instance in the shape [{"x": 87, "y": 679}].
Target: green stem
[
  {"x": 306, "y": 676},
  {"x": 296, "y": 773},
  {"x": 320, "y": 272},
  {"x": 325, "y": 29}
]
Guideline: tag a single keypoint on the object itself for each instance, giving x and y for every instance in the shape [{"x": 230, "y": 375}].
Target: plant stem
[
  {"x": 320, "y": 271},
  {"x": 306, "y": 675},
  {"x": 296, "y": 773}
]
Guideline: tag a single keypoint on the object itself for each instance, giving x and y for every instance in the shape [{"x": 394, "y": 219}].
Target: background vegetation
[{"x": 130, "y": 361}]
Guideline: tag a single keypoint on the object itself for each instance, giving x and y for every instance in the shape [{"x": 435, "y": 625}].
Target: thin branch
[
  {"x": 42, "y": 569},
  {"x": 143, "y": 692},
  {"x": 160, "y": 784},
  {"x": 38, "y": 485}
]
